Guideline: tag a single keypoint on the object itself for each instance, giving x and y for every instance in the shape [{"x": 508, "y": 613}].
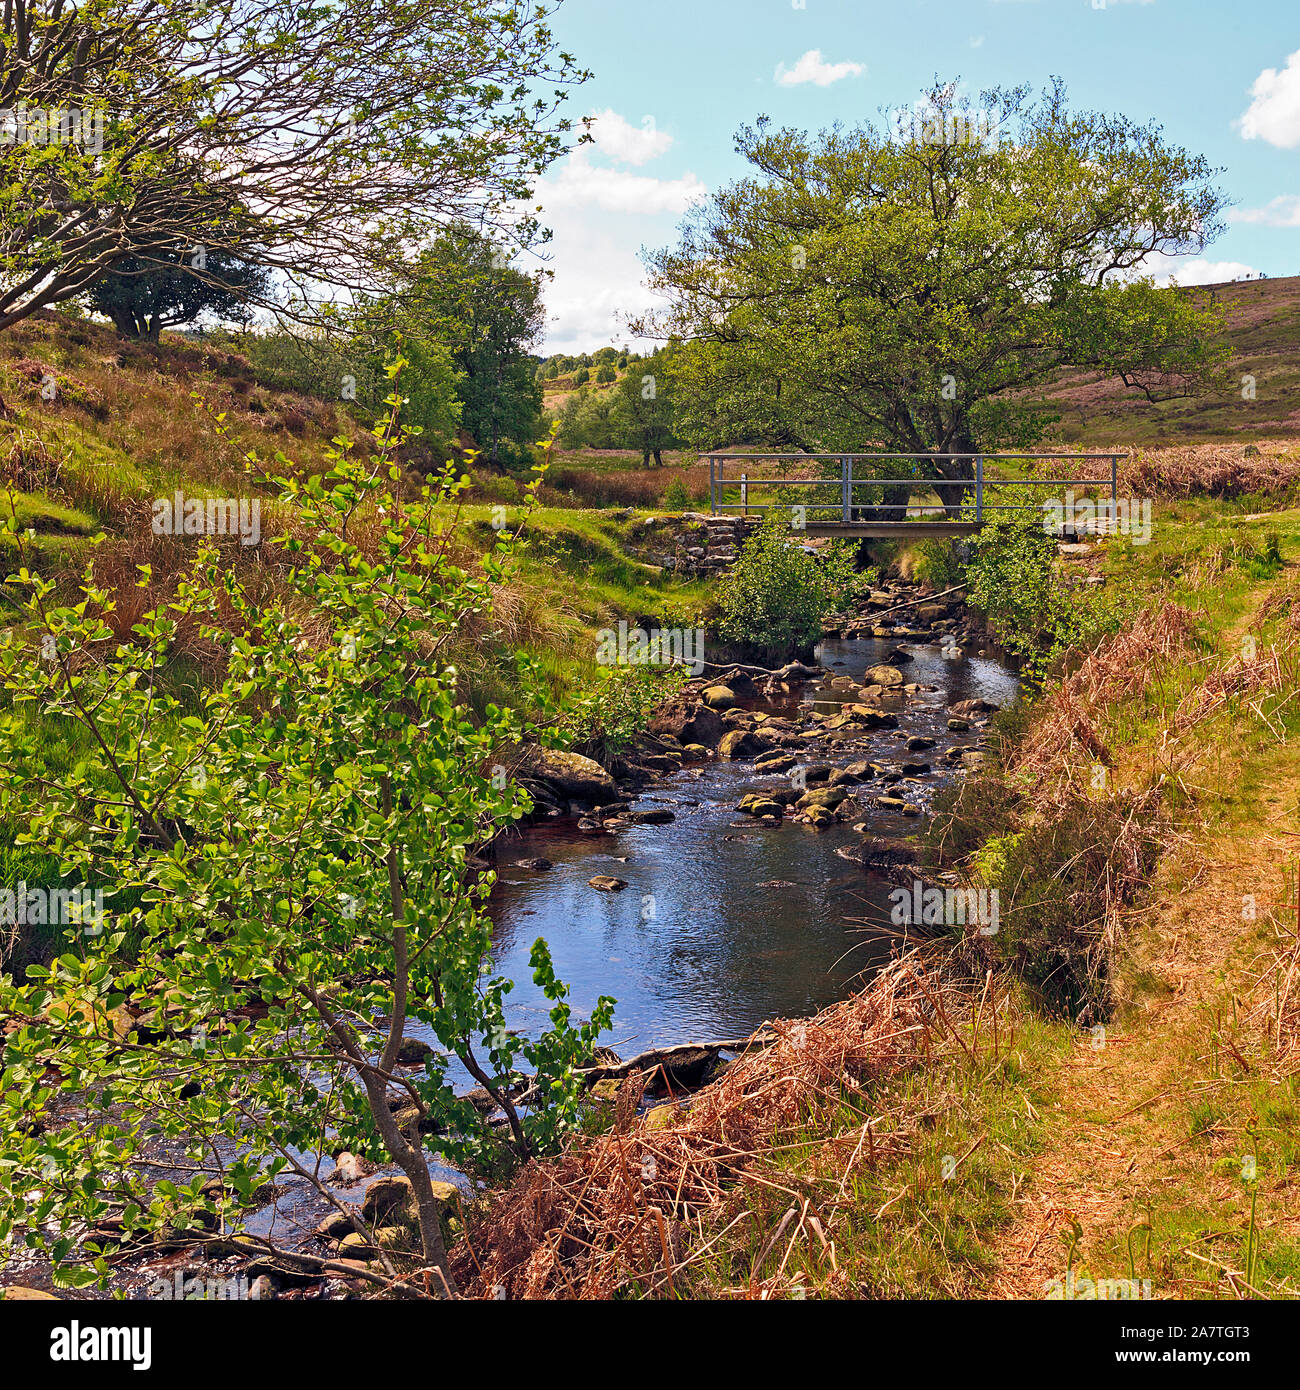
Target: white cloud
[
  {"x": 977, "y": 40},
  {"x": 1274, "y": 111},
  {"x": 627, "y": 143},
  {"x": 1282, "y": 211},
  {"x": 580, "y": 184},
  {"x": 1202, "y": 272},
  {"x": 812, "y": 67},
  {"x": 598, "y": 278}
]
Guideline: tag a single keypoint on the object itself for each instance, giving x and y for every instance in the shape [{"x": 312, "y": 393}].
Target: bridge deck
[{"x": 881, "y": 530}]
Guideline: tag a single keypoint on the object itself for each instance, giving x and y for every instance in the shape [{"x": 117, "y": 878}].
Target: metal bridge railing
[{"x": 971, "y": 502}]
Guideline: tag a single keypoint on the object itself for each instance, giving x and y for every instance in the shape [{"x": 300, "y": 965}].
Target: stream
[{"x": 748, "y": 921}]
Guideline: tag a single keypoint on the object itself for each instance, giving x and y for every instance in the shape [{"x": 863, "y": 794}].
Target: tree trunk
[
  {"x": 408, "y": 1158},
  {"x": 960, "y": 469},
  {"x": 125, "y": 323}
]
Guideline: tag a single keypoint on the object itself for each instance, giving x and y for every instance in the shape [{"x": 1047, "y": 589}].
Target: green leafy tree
[
  {"x": 587, "y": 420},
  {"x": 142, "y": 296},
  {"x": 300, "y": 851},
  {"x": 581, "y": 377},
  {"x": 464, "y": 297},
  {"x": 605, "y": 374},
  {"x": 914, "y": 288},
  {"x": 643, "y": 408},
  {"x": 431, "y": 387},
  {"x": 322, "y": 140}
]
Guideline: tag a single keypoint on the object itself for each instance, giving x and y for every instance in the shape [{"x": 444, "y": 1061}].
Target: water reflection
[{"x": 724, "y": 922}]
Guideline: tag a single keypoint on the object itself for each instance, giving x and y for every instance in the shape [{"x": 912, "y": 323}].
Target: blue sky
[{"x": 674, "y": 79}]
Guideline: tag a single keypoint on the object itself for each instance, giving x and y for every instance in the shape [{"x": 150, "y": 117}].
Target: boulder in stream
[
  {"x": 570, "y": 774},
  {"x": 882, "y": 675},
  {"x": 688, "y": 720},
  {"x": 739, "y": 743},
  {"x": 828, "y": 797},
  {"x": 965, "y": 708}
]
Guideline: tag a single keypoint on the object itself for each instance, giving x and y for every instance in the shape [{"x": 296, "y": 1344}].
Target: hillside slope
[{"x": 1263, "y": 324}]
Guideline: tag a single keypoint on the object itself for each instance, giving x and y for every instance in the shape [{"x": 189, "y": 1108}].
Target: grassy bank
[{"x": 127, "y": 423}]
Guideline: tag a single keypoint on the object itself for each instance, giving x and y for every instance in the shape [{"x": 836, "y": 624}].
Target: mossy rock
[
  {"x": 883, "y": 675},
  {"x": 825, "y": 798},
  {"x": 739, "y": 743}
]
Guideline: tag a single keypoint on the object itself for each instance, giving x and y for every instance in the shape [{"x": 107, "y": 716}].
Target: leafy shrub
[
  {"x": 773, "y": 599},
  {"x": 939, "y": 563},
  {"x": 314, "y": 366},
  {"x": 676, "y": 498},
  {"x": 1014, "y": 581},
  {"x": 604, "y": 719},
  {"x": 966, "y": 813},
  {"x": 293, "y": 862},
  {"x": 493, "y": 487},
  {"x": 1262, "y": 561}
]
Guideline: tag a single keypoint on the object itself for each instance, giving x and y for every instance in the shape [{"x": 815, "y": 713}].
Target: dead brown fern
[{"x": 626, "y": 1211}]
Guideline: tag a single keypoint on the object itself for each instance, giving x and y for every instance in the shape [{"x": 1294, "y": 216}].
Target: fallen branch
[
  {"x": 912, "y": 602},
  {"x": 657, "y": 1056}
]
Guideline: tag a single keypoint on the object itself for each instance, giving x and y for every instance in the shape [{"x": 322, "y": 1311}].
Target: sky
[{"x": 675, "y": 79}]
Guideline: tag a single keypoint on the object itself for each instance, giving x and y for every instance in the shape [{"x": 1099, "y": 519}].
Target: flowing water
[{"x": 726, "y": 922}]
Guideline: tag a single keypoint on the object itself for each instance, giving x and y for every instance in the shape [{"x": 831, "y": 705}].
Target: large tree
[
  {"x": 333, "y": 138},
  {"x": 142, "y": 297},
  {"x": 642, "y": 410},
  {"x": 464, "y": 295},
  {"x": 910, "y": 286}
]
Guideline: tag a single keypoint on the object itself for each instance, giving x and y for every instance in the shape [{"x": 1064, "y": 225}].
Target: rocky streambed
[{"x": 737, "y": 865}]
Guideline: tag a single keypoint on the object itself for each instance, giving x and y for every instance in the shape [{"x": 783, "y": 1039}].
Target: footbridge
[{"x": 846, "y": 494}]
